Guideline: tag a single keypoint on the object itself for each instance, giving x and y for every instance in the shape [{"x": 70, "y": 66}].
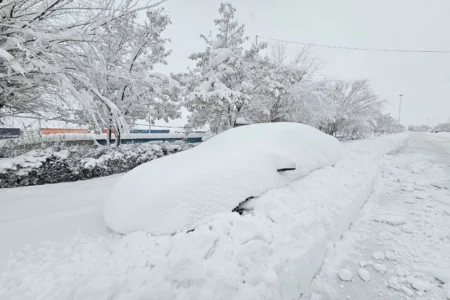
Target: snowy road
[
  {"x": 35, "y": 214},
  {"x": 400, "y": 243}
]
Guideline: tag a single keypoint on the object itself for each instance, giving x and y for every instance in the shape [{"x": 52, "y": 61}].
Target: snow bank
[
  {"x": 270, "y": 252},
  {"x": 174, "y": 193}
]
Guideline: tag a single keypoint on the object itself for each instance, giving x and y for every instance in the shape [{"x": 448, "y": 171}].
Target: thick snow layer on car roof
[{"x": 176, "y": 192}]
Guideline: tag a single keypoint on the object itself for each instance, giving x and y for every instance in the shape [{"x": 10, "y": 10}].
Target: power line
[{"x": 355, "y": 48}]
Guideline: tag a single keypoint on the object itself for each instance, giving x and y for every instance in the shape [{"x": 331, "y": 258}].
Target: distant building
[{"x": 47, "y": 131}]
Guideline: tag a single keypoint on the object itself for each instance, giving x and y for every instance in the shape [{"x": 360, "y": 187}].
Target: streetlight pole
[{"x": 399, "y": 108}]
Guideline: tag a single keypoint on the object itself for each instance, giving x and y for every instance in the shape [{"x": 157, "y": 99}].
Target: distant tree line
[
  {"x": 419, "y": 128},
  {"x": 443, "y": 127}
]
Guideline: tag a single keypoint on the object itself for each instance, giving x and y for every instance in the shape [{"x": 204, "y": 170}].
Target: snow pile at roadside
[
  {"x": 63, "y": 164},
  {"x": 216, "y": 176},
  {"x": 270, "y": 252}
]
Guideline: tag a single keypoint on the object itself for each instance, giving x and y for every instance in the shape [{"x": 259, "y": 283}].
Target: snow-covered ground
[
  {"x": 31, "y": 215},
  {"x": 399, "y": 247},
  {"x": 270, "y": 253}
]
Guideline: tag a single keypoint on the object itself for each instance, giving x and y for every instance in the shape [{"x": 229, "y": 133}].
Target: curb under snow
[{"x": 271, "y": 253}]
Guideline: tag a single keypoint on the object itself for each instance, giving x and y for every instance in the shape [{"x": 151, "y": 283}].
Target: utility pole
[{"x": 399, "y": 108}]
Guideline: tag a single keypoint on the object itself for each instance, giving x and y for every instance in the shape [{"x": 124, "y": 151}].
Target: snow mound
[
  {"x": 390, "y": 255},
  {"x": 174, "y": 193},
  {"x": 441, "y": 275},
  {"x": 419, "y": 284},
  {"x": 364, "y": 274},
  {"x": 345, "y": 275},
  {"x": 378, "y": 255},
  {"x": 380, "y": 268}
]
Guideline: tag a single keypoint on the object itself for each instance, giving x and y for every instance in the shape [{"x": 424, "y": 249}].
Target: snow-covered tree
[
  {"x": 224, "y": 74},
  {"x": 272, "y": 95},
  {"x": 311, "y": 102},
  {"x": 353, "y": 108},
  {"x": 419, "y": 128},
  {"x": 385, "y": 123},
  {"x": 286, "y": 88},
  {"x": 49, "y": 51},
  {"x": 129, "y": 51}
]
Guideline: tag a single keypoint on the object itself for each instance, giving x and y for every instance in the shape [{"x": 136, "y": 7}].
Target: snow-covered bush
[
  {"x": 62, "y": 164},
  {"x": 35, "y": 141}
]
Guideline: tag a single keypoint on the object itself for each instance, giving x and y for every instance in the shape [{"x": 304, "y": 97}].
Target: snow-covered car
[{"x": 176, "y": 192}]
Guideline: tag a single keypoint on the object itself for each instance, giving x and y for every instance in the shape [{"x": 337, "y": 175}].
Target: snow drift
[{"x": 174, "y": 193}]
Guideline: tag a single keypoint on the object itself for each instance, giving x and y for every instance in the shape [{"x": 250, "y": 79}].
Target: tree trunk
[
  {"x": 109, "y": 137},
  {"x": 118, "y": 137}
]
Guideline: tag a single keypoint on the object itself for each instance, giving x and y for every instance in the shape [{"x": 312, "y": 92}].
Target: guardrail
[
  {"x": 77, "y": 139},
  {"x": 149, "y": 137}
]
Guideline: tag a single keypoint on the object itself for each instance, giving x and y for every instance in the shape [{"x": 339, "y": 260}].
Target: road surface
[{"x": 31, "y": 215}]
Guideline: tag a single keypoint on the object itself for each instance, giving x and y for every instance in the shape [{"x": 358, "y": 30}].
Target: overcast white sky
[{"x": 423, "y": 79}]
